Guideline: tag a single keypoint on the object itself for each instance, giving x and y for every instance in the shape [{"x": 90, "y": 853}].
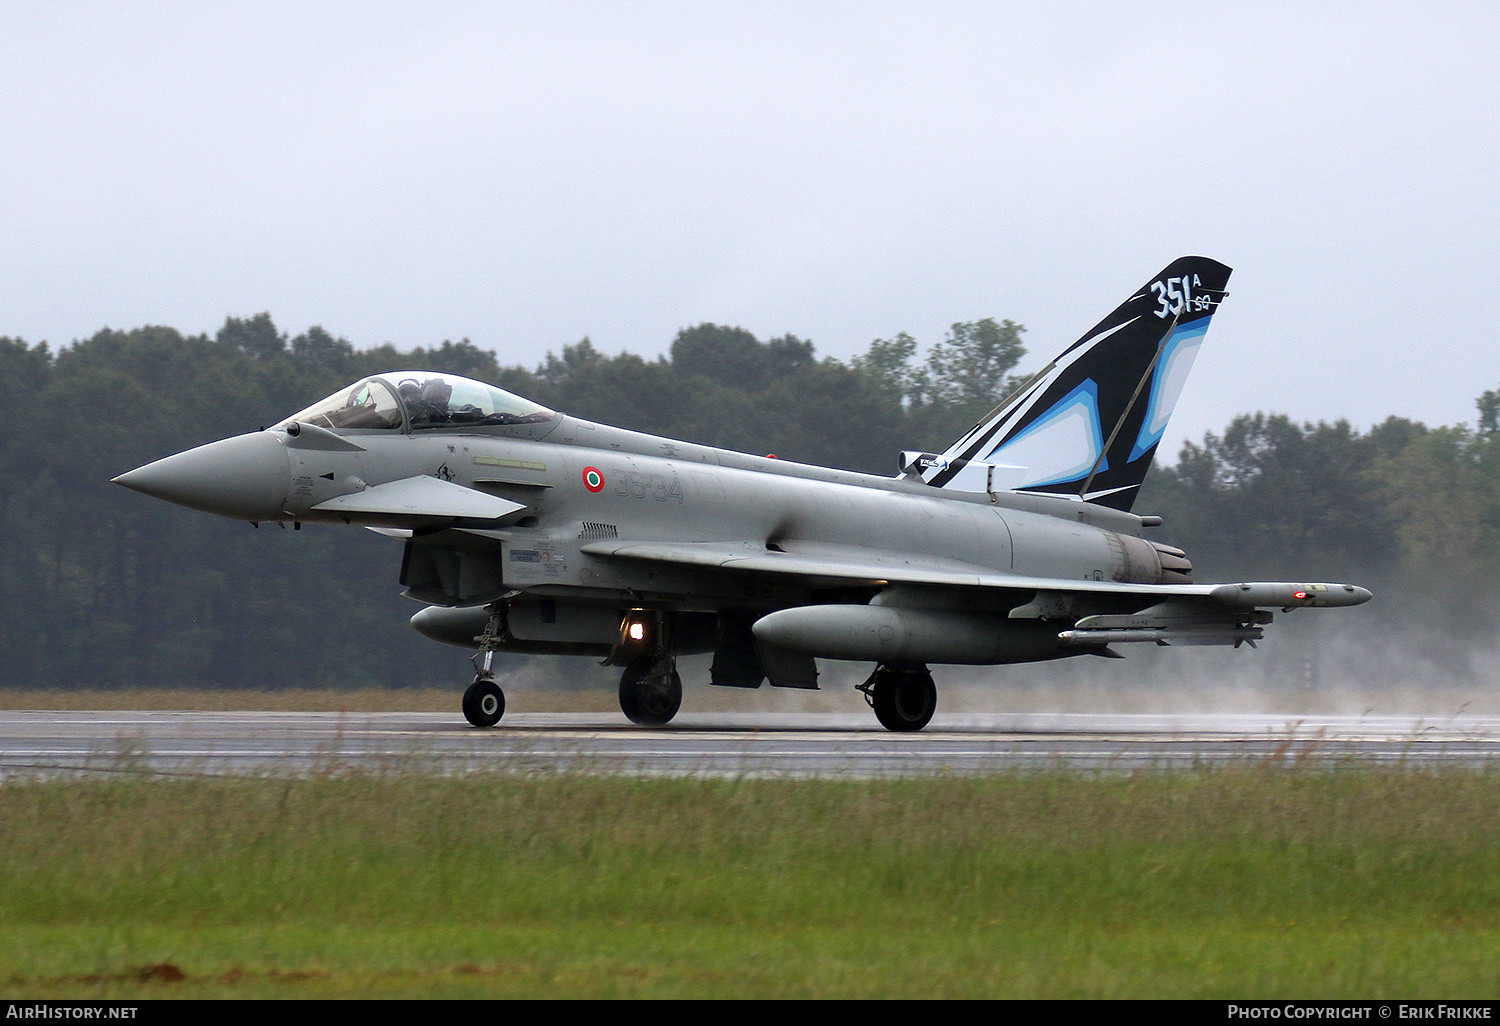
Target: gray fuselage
[{"x": 651, "y": 489}]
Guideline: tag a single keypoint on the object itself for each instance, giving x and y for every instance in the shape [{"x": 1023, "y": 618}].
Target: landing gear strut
[
  {"x": 484, "y": 702},
  {"x": 903, "y": 697},
  {"x": 651, "y": 690}
]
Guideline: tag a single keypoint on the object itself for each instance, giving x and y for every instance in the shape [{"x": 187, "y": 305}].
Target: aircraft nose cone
[{"x": 245, "y": 477}]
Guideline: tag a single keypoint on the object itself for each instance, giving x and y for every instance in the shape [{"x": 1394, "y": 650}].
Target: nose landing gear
[{"x": 484, "y": 702}]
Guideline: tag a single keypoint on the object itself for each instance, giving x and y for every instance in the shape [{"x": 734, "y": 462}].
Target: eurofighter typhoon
[{"x": 530, "y": 531}]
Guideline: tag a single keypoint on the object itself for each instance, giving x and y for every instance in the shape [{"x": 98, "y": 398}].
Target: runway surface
[{"x": 36, "y": 743}]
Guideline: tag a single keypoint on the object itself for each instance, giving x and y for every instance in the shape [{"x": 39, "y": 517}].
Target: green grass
[{"x": 1248, "y": 882}]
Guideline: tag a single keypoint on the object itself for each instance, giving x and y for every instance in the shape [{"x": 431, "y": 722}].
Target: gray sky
[{"x": 527, "y": 174}]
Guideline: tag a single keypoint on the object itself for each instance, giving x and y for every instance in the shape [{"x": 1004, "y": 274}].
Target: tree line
[{"x": 103, "y": 587}]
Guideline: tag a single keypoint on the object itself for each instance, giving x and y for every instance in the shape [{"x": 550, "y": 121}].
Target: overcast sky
[{"x": 528, "y": 174}]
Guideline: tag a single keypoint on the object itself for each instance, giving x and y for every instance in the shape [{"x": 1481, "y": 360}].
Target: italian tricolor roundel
[{"x": 592, "y": 479}]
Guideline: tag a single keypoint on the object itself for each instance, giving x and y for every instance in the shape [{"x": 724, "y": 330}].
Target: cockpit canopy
[{"x": 418, "y": 401}]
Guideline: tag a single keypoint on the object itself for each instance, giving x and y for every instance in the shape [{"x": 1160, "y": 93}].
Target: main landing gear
[
  {"x": 903, "y": 697},
  {"x": 651, "y": 690}
]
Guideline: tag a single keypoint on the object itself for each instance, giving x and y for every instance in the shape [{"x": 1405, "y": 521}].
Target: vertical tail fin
[{"x": 1089, "y": 423}]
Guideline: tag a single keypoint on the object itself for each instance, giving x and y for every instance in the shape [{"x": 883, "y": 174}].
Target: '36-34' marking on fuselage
[{"x": 637, "y": 485}]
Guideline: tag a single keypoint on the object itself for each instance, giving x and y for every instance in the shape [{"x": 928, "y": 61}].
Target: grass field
[{"x": 1244, "y": 882}]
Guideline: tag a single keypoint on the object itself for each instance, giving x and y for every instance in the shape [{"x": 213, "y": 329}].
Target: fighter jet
[{"x": 529, "y": 531}]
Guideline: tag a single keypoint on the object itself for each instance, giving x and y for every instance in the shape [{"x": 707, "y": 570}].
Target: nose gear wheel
[{"x": 484, "y": 702}]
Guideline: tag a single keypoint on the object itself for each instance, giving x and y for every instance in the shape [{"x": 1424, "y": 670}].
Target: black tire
[
  {"x": 484, "y": 703},
  {"x": 904, "y": 700},
  {"x": 649, "y": 701}
]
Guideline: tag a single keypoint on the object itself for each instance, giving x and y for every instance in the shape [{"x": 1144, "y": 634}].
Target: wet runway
[{"x": 35, "y": 743}]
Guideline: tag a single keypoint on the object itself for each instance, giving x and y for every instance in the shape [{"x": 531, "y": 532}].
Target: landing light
[{"x": 637, "y": 630}]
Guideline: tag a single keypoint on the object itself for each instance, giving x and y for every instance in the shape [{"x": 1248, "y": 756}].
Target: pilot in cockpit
[{"x": 426, "y": 401}]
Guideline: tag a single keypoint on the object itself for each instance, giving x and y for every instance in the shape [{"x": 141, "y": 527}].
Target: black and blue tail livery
[{"x": 1088, "y": 424}]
